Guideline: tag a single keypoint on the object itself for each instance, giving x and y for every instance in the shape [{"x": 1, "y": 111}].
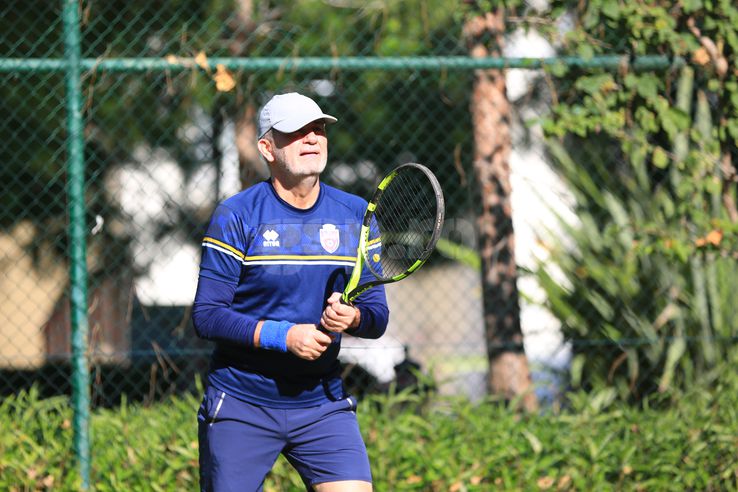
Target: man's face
[{"x": 304, "y": 152}]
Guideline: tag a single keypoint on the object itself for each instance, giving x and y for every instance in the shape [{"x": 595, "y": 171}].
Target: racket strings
[{"x": 406, "y": 218}]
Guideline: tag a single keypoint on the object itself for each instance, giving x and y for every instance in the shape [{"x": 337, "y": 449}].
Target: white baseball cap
[{"x": 290, "y": 112}]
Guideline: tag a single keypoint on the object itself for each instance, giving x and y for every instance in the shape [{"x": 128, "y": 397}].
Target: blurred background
[{"x": 591, "y": 217}]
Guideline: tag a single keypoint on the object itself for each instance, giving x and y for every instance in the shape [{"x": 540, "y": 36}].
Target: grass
[{"x": 687, "y": 441}]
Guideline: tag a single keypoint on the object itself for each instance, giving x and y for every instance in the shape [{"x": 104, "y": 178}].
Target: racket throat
[{"x": 349, "y": 293}]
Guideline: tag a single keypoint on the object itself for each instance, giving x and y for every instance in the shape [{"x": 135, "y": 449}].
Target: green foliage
[
  {"x": 135, "y": 111},
  {"x": 34, "y": 448},
  {"x": 414, "y": 444},
  {"x": 385, "y": 115},
  {"x": 652, "y": 268}
]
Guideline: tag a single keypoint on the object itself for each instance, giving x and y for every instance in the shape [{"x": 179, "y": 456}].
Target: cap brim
[{"x": 290, "y": 125}]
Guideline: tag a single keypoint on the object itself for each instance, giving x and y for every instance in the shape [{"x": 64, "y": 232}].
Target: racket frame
[{"x": 353, "y": 289}]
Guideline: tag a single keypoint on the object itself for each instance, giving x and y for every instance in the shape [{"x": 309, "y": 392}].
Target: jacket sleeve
[
  {"x": 374, "y": 310},
  {"x": 220, "y": 269},
  {"x": 374, "y": 314},
  {"x": 213, "y": 317}
]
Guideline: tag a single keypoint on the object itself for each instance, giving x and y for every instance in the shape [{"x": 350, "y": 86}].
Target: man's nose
[{"x": 311, "y": 137}]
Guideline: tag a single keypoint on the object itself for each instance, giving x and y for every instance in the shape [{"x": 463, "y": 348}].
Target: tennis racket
[{"x": 401, "y": 226}]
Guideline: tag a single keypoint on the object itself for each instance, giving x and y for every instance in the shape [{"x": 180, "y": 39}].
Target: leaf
[
  {"x": 611, "y": 9},
  {"x": 577, "y": 369},
  {"x": 545, "y": 483},
  {"x": 414, "y": 479},
  {"x": 714, "y": 237},
  {"x": 660, "y": 158},
  {"x": 647, "y": 87},
  {"x": 700, "y": 56},
  {"x": 596, "y": 83},
  {"x": 534, "y": 442},
  {"x": 558, "y": 68},
  {"x": 633, "y": 366},
  {"x": 202, "y": 60},
  {"x": 690, "y": 6},
  {"x": 586, "y": 51},
  {"x": 603, "y": 307},
  {"x": 646, "y": 119},
  {"x": 602, "y": 399},
  {"x": 617, "y": 210},
  {"x": 676, "y": 350},
  {"x": 224, "y": 81}
]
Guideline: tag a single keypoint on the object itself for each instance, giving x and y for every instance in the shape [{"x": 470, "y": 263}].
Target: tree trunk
[
  {"x": 251, "y": 167},
  {"x": 508, "y": 367}
]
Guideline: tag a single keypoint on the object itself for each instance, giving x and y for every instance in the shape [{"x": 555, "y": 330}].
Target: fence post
[{"x": 77, "y": 239}]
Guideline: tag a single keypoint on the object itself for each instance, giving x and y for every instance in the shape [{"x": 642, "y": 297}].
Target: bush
[{"x": 414, "y": 444}]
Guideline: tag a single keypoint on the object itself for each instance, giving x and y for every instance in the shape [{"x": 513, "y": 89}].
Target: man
[{"x": 274, "y": 261}]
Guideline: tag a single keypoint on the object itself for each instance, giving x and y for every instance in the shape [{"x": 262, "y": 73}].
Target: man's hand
[
  {"x": 338, "y": 317},
  {"x": 307, "y": 342}
]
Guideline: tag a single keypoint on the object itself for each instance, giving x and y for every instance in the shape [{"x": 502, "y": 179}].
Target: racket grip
[{"x": 345, "y": 299}]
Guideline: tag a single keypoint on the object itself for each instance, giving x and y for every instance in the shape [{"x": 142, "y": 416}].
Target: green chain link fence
[{"x": 100, "y": 253}]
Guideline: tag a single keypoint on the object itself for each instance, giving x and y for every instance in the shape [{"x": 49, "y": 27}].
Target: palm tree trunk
[{"x": 491, "y": 117}]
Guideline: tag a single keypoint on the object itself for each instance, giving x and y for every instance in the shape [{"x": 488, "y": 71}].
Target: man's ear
[{"x": 265, "y": 149}]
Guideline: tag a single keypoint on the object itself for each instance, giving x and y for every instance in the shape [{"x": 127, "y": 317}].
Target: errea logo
[{"x": 271, "y": 238}]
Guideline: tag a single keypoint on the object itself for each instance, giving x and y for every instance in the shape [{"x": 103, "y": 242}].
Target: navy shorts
[{"x": 239, "y": 442}]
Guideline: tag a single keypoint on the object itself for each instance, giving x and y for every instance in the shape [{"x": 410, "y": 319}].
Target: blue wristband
[{"x": 273, "y": 335}]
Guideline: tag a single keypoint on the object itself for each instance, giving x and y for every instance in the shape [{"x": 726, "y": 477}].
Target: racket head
[{"x": 403, "y": 222}]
